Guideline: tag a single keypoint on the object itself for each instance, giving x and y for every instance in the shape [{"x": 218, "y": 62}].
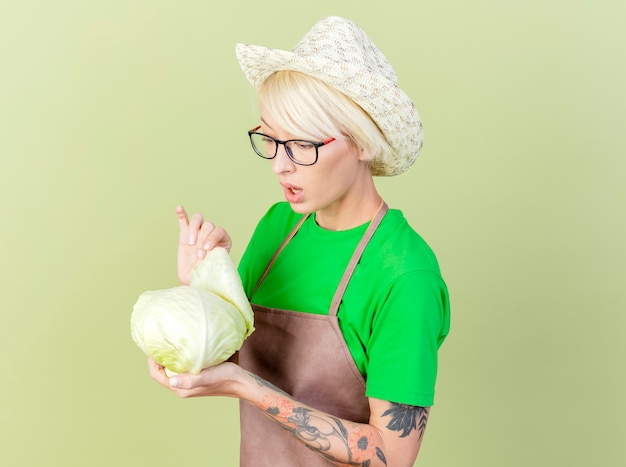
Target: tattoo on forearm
[
  {"x": 320, "y": 432},
  {"x": 406, "y": 418},
  {"x": 262, "y": 382}
]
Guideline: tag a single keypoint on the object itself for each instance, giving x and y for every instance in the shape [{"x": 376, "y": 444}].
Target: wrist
[{"x": 256, "y": 390}]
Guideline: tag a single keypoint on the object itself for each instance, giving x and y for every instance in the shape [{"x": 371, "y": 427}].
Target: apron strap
[
  {"x": 358, "y": 252},
  {"x": 356, "y": 256},
  {"x": 280, "y": 248}
]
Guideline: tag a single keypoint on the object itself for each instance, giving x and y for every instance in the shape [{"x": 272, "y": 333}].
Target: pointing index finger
[{"x": 183, "y": 222}]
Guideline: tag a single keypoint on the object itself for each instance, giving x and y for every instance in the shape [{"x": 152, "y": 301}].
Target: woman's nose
[{"x": 281, "y": 163}]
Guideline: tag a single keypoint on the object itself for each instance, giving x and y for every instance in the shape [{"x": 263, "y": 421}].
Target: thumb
[{"x": 183, "y": 381}]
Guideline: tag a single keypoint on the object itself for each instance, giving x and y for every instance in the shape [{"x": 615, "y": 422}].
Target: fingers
[
  {"x": 188, "y": 382},
  {"x": 179, "y": 384},
  {"x": 157, "y": 372},
  {"x": 196, "y": 224},
  {"x": 183, "y": 224},
  {"x": 218, "y": 380},
  {"x": 182, "y": 382},
  {"x": 195, "y": 230},
  {"x": 205, "y": 235},
  {"x": 218, "y": 237},
  {"x": 212, "y": 236}
]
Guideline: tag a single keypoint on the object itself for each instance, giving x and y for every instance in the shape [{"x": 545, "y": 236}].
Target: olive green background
[{"x": 113, "y": 112}]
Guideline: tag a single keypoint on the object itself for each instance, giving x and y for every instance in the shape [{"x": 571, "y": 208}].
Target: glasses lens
[
  {"x": 302, "y": 152},
  {"x": 263, "y": 145}
]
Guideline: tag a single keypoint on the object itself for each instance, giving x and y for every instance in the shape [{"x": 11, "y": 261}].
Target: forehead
[{"x": 271, "y": 125}]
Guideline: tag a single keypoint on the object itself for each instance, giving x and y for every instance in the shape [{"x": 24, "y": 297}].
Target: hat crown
[{"x": 341, "y": 43}]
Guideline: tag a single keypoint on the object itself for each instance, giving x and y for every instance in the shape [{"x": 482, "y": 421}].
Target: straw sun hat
[{"x": 338, "y": 52}]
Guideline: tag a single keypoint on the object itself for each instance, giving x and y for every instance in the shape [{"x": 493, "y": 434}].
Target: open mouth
[{"x": 292, "y": 193}]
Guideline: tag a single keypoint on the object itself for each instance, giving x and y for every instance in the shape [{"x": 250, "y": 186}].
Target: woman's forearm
[
  {"x": 392, "y": 437},
  {"x": 340, "y": 441}
]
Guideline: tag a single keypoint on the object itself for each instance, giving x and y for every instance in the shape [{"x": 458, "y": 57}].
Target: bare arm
[{"x": 392, "y": 437}]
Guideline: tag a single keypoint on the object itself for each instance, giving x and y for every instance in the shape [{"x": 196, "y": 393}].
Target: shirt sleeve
[{"x": 407, "y": 332}]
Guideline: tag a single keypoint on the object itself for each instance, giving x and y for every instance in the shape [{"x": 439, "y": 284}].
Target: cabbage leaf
[{"x": 188, "y": 328}]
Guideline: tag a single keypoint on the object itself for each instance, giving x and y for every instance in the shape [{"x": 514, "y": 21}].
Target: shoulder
[
  {"x": 280, "y": 214},
  {"x": 398, "y": 247}
]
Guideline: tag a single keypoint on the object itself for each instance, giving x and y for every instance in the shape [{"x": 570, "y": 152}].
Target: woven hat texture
[{"x": 339, "y": 52}]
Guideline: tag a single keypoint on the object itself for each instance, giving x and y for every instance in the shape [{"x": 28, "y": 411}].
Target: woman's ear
[
  {"x": 364, "y": 155},
  {"x": 361, "y": 153}
]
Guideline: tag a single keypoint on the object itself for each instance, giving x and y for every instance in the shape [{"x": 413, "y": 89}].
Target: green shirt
[{"x": 395, "y": 313}]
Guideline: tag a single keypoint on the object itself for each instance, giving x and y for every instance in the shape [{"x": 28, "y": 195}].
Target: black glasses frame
[{"x": 278, "y": 142}]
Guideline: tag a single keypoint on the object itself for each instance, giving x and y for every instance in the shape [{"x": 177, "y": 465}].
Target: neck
[{"x": 347, "y": 214}]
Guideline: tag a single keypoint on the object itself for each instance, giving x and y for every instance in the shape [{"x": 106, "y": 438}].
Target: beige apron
[{"x": 306, "y": 356}]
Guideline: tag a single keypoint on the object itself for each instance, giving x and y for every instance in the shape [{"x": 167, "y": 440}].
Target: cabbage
[{"x": 188, "y": 328}]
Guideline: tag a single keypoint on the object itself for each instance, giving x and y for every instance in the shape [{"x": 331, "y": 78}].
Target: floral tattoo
[
  {"x": 406, "y": 418},
  {"x": 318, "y": 432}
]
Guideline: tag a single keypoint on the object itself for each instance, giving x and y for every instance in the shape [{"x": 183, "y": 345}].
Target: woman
[{"x": 350, "y": 307}]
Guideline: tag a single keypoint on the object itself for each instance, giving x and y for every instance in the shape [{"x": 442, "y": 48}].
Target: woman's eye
[{"x": 304, "y": 145}]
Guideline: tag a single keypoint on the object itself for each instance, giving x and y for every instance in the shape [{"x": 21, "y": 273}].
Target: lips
[{"x": 293, "y": 194}]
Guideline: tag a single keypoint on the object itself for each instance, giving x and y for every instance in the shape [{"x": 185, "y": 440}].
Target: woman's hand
[
  {"x": 195, "y": 239},
  {"x": 219, "y": 380}
]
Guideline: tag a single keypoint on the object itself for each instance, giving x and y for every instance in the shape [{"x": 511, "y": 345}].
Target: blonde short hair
[{"x": 306, "y": 106}]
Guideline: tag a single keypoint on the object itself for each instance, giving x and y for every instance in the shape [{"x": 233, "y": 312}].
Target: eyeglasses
[{"x": 299, "y": 151}]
